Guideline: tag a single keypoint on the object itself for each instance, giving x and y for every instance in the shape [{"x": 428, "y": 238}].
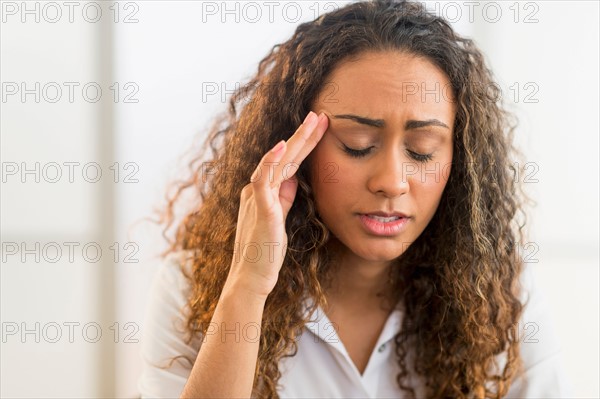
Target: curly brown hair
[{"x": 458, "y": 282}]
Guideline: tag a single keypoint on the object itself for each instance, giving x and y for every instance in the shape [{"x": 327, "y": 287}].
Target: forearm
[{"x": 226, "y": 362}]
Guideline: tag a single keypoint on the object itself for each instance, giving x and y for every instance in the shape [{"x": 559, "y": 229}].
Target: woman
[{"x": 374, "y": 248}]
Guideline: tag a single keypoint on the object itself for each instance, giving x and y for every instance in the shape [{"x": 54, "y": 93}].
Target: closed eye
[
  {"x": 420, "y": 157},
  {"x": 359, "y": 153}
]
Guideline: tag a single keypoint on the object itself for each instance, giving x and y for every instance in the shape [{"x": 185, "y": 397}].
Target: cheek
[
  {"x": 434, "y": 180},
  {"x": 335, "y": 180},
  {"x": 433, "y": 176},
  {"x": 331, "y": 179},
  {"x": 428, "y": 187}
]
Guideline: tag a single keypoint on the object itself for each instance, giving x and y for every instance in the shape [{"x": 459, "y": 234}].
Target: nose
[{"x": 390, "y": 172}]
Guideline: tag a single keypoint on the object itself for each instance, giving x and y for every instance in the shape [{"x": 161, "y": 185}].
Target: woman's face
[{"x": 401, "y": 109}]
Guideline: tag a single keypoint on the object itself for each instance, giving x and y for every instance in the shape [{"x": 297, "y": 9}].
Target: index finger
[{"x": 302, "y": 142}]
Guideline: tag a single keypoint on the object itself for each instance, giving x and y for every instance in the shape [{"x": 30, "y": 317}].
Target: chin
[{"x": 383, "y": 255}]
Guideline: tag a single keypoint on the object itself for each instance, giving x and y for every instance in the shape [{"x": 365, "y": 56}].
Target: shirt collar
[{"x": 320, "y": 325}]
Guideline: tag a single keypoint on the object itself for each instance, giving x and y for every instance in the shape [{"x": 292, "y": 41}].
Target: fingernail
[
  {"x": 310, "y": 117},
  {"x": 278, "y": 147}
]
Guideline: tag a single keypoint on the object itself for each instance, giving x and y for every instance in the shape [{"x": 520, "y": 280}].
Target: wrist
[{"x": 240, "y": 290}]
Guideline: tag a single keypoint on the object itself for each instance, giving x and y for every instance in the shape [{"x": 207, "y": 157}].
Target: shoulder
[
  {"x": 537, "y": 323},
  {"x": 541, "y": 350},
  {"x": 169, "y": 292},
  {"x": 170, "y": 287},
  {"x": 164, "y": 330},
  {"x": 173, "y": 269}
]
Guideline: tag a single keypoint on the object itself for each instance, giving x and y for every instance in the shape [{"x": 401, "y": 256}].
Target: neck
[{"x": 357, "y": 282}]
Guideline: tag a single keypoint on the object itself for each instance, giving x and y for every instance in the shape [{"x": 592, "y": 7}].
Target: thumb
[{"x": 287, "y": 193}]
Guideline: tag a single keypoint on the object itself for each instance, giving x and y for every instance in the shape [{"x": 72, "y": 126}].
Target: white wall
[
  {"x": 169, "y": 55},
  {"x": 48, "y": 292}
]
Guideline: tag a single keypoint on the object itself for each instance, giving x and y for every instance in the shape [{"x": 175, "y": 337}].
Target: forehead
[{"x": 391, "y": 82}]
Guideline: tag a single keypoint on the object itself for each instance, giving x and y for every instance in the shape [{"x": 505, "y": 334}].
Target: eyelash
[{"x": 364, "y": 152}]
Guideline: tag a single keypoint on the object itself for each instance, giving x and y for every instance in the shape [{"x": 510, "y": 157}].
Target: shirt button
[{"x": 381, "y": 348}]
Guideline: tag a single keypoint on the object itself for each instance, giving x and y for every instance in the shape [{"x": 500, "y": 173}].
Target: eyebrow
[{"x": 379, "y": 123}]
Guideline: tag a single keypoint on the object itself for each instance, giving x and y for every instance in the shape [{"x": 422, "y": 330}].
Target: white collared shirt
[{"x": 322, "y": 367}]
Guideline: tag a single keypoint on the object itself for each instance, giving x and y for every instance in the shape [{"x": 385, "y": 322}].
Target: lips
[
  {"x": 385, "y": 214},
  {"x": 383, "y": 220},
  {"x": 384, "y": 226}
]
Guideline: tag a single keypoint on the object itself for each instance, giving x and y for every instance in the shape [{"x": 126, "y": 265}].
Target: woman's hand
[{"x": 261, "y": 240}]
